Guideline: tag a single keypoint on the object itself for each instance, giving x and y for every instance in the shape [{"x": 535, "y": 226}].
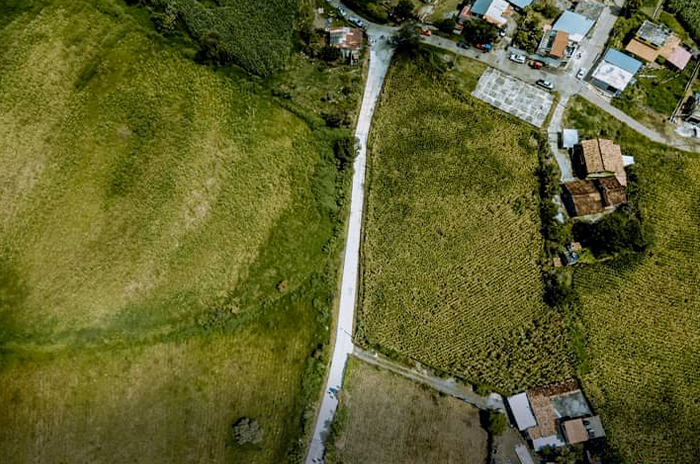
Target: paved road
[
  {"x": 447, "y": 386},
  {"x": 380, "y": 57}
]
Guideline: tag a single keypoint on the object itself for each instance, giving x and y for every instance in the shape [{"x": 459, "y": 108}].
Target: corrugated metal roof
[
  {"x": 569, "y": 138},
  {"x": 480, "y": 7},
  {"x": 521, "y": 3},
  {"x": 622, "y": 61},
  {"x": 575, "y": 24},
  {"x": 520, "y": 407}
]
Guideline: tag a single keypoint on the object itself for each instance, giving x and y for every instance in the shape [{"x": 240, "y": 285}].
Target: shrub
[
  {"x": 497, "y": 423},
  {"x": 529, "y": 33},
  {"x": 479, "y": 32},
  {"x": 446, "y": 25},
  {"x": 330, "y": 53},
  {"x": 246, "y": 430}
]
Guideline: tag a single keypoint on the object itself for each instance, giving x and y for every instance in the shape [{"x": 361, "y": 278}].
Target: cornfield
[
  {"x": 451, "y": 247},
  {"x": 642, "y": 315},
  {"x": 255, "y": 33}
]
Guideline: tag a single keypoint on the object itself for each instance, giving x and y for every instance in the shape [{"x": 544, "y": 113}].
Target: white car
[
  {"x": 342, "y": 11},
  {"x": 520, "y": 59},
  {"x": 546, "y": 84},
  {"x": 357, "y": 22},
  {"x": 581, "y": 73}
]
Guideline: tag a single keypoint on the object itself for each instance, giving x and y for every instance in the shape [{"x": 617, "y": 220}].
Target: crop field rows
[
  {"x": 450, "y": 264},
  {"x": 641, "y": 316}
]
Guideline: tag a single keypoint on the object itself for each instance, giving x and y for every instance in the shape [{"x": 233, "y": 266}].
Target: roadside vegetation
[
  {"x": 385, "y": 418},
  {"x": 635, "y": 315},
  {"x": 452, "y": 241},
  {"x": 169, "y": 239}
]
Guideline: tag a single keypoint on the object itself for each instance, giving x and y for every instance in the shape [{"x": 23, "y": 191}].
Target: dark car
[{"x": 463, "y": 44}]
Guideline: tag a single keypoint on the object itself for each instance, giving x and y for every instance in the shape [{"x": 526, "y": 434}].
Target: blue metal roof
[
  {"x": 520, "y": 3},
  {"x": 622, "y": 61},
  {"x": 575, "y": 24},
  {"x": 480, "y": 7}
]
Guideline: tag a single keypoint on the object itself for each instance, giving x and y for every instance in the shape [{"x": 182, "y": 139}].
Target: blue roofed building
[
  {"x": 495, "y": 12},
  {"x": 615, "y": 72},
  {"x": 520, "y": 4},
  {"x": 574, "y": 24}
]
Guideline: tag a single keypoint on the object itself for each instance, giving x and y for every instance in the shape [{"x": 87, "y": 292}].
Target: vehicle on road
[
  {"x": 463, "y": 44},
  {"x": 484, "y": 47},
  {"x": 534, "y": 64},
  {"x": 520, "y": 59},
  {"x": 357, "y": 22},
  {"x": 581, "y": 73},
  {"x": 342, "y": 11},
  {"x": 425, "y": 32},
  {"x": 502, "y": 32},
  {"x": 545, "y": 84}
]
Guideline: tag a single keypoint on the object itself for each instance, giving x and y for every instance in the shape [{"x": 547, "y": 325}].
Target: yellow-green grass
[
  {"x": 384, "y": 418},
  {"x": 152, "y": 208},
  {"x": 640, "y": 316},
  {"x": 452, "y": 238}
]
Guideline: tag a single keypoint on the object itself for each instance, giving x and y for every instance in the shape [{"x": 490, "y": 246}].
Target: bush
[
  {"x": 546, "y": 9},
  {"x": 329, "y": 53},
  {"x": 529, "y": 33},
  {"x": 344, "y": 150},
  {"x": 479, "y": 32},
  {"x": 246, "y": 431},
  {"x": 446, "y": 25},
  {"x": 497, "y": 423},
  {"x": 621, "y": 231}
]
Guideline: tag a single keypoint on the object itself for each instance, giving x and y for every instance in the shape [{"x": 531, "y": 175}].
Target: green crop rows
[
  {"x": 451, "y": 246},
  {"x": 641, "y": 315}
]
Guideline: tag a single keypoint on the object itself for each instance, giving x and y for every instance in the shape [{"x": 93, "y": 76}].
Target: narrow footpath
[{"x": 380, "y": 57}]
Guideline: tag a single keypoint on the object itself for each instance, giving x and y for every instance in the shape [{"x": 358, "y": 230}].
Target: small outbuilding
[{"x": 569, "y": 138}]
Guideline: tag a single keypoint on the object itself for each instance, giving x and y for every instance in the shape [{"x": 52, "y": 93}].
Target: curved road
[{"x": 380, "y": 57}]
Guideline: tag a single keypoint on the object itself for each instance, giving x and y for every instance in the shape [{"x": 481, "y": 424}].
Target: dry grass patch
[{"x": 387, "y": 419}]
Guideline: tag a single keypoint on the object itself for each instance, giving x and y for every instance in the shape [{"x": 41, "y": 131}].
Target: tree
[
  {"x": 211, "y": 50},
  {"x": 329, "y": 53},
  {"x": 529, "y": 33},
  {"x": 407, "y": 38},
  {"x": 247, "y": 430},
  {"x": 446, "y": 25},
  {"x": 497, "y": 423},
  {"x": 403, "y": 9},
  {"x": 479, "y": 32},
  {"x": 631, "y": 7},
  {"x": 344, "y": 150}
]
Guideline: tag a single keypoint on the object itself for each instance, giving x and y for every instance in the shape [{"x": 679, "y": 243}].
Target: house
[
  {"x": 582, "y": 429},
  {"x": 559, "y": 44},
  {"x": 574, "y": 24},
  {"x": 615, "y": 72},
  {"x": 495, "y": 12},
  {"x": 549, "y": 408},
  {"x": 348, "y": 40},
  {"x": 585, "y": 197},
  {"x": 654, "y": 40},
  {"x": 601, "y": 158}
]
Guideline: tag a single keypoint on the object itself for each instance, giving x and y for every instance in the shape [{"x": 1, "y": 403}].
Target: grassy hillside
[
  {"x": 167, "y": 240},
  {"x": 640, "y": 316},
  {"x": 452, "y": 239}
]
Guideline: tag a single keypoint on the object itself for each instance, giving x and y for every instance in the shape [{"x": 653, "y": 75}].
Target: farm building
[
  {"x": 600, "y": 158},
  {"x": 348, "y": 40},
  {"x": 615, "y": 72},
  {"x": 574, "y": 24},
  {"x": 495, "y": 12},
  {"x": 551, "y": 408},
  {"x": 653, "y": 40},
  {"x": 585, "y": 197}
]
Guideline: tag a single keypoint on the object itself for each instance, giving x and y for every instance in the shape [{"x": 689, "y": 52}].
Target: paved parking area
[{"x": 523, "y": 100}]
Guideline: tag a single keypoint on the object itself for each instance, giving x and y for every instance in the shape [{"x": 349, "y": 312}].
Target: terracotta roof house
[
  {"x": 561, "y": 40},
  {"x": 582, "y": 198},
  {"x": 347, "y": 39},
  {"x": 601, "y": 158},
  {"x": 654, "y": 40},
  {"x": 574, "y": 431}
]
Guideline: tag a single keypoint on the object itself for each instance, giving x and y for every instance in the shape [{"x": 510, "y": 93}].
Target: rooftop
[
  {"x": 613, "y": 76},
  {"x": 641, "y": 50},
  {"x": 569, "y": 138},
  {"x": 480, "y": 7},
  {"x": 655, "y": 35},
  {"x": 622, "y": 61},
  {"x": 346, "y": 37},
  {"x": 591, "y": 9},
  {"x": 521, "y": 3},
  {"x": 575, "y": 432},
  {"x": 680, "y": 58},
  {"x": 561, "y": 40},
  {"x": 602, "y": 155},
  {"x": 594, "y": 427},
  {"x": 585, "y": 198},
  {"x": 575, "y": 24},
  {"x": 520, "y": 407}
]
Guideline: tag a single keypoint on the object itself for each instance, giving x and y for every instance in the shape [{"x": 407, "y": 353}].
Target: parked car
[
  {"x": 484, "y": 47},
  {"x": 342, "y": 11},
  {"x": 502, "y": 32},
  {"x": 463, "y": 44},
  {"x": 357, "y": 22},
  {"x": 545, "y": 84},
  {"x": 520, "y": 59},
  {"x": 534, "y": 64},
  {"x": 581, "y": 73},
  {"x": 425, "y": 32}
]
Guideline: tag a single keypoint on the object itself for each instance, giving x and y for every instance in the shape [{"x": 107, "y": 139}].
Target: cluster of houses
[
  {"x": 560, "y": 40},
  {"x": 554, "y": 416},
  {"x": 601, "y": 166}
]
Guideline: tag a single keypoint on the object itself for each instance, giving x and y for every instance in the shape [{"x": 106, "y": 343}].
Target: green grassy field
[
  {"x": 168, "y": 242},
  {"x": 452, "y": 237},
  {"x": 384, "y": 418},
  {"x": 640, "y": 316}
]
